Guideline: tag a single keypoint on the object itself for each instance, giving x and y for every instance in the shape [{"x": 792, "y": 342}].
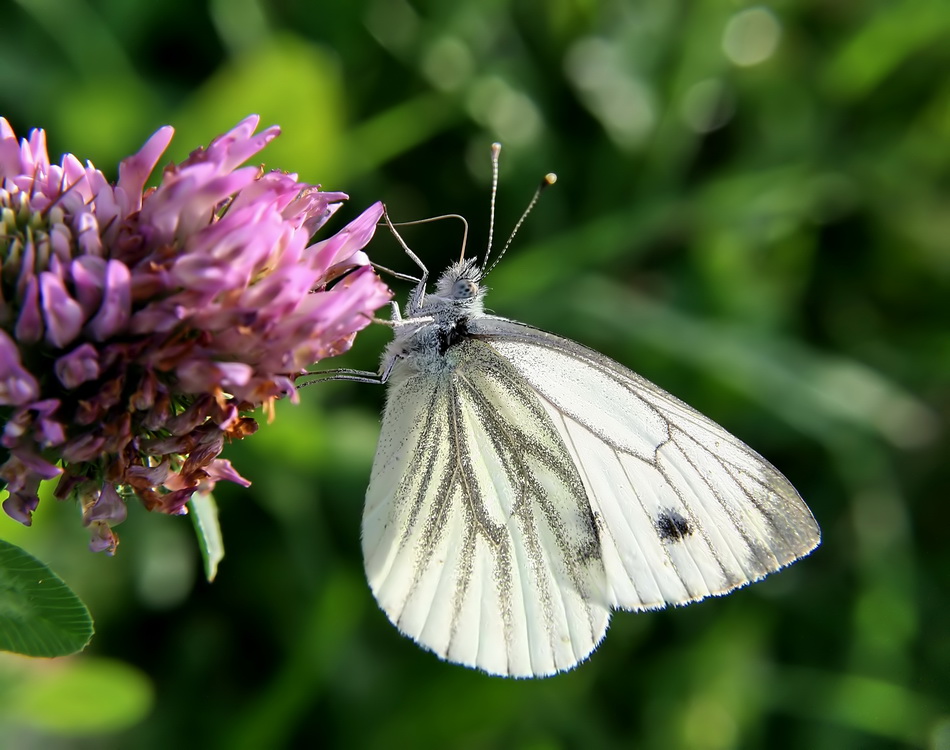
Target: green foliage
[
  {"x": 204, "y": 515},
  {"x": 765, "y": 239},
  {"x": 39, "y": 614},
  {"x": 81, "y": 696}
]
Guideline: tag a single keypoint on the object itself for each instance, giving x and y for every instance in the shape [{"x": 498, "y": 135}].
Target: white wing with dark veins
[
  {"x": 478, "y": 538},
  {"x": 686, "y": 510},
  {"x": 531, "y": 485}
]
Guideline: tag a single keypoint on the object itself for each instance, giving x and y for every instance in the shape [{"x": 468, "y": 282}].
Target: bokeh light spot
[{"x": 751, "y": 36}]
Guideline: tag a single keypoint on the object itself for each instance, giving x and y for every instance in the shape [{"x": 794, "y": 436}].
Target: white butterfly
[{"x": 524, "y": 486}]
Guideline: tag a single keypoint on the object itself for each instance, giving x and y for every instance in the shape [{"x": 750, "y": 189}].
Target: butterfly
[{"x": 524, "y": 486}]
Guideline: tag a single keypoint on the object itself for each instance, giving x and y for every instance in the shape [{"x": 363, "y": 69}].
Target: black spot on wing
[
  {"x": 452, "y": 334},
  {"x": 672, "y": 527}
]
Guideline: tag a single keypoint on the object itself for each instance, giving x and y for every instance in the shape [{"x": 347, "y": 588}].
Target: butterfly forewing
[{"x": 687, "y": 509}]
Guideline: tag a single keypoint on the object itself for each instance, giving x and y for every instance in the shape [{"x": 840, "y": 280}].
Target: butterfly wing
[
  {"x": 478, "y": 538},
  {"x": 685, "y": 509},
  {"x": 519, "y": 495}
]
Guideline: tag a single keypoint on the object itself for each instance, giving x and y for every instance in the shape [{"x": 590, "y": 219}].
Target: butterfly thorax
[{"x": 435, "y": 323}]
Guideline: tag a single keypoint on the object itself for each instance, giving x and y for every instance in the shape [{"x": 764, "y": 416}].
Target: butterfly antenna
[
  {"x": 495, "y": 152},
  {"x": 549, "y": 179}
]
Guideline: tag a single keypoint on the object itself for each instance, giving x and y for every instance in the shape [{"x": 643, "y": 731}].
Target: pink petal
[
  {"x": 33, "y": 152},
  {"x": 108, "y": 507},
  {"x": 20, "y": 506},
  {"x": 62, "y": 313},
  {"x": 240, "y": 144},
  {"x": 80, "y": 365},
  {"x": 201, "y": 376},
  {"x": 221, "y": 470},
  {"x": 83, "y": 448},
  {"x": 9, "y": 151},
  {"x": 344, "y": 246},
  {"x": 154, "y": 476},
  {"x": 17, "y": 385},
  {"x": 29, "y": 326},
  {"x": 316, "y": 207},
  {"x": 135, "y": 170},
  {"x": 103, "y": 538},
  {"x": 88, "y": 274},
  {"x": 25, "y": 469},
  {"x": 116, "y": 309}
]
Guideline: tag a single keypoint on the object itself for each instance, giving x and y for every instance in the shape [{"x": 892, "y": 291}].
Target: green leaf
[
  {"x": 39, "y": 614},
  {"x": 204, "y": 514},
  {"x": 398, "y": 130},
  {"x": 79, "y": 696},
  {"x": 886, "y": 40}
]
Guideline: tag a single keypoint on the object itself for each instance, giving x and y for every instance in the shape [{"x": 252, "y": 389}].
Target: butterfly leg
[
  {"x": 402, "y": 243},
  {"x": 395, "y": 316},
  {"x": 395, "y": 274},
  {"x": 387, "y": 368},
  {"x": 419, "y": 291},
  {"x": 342, "y": 373}
]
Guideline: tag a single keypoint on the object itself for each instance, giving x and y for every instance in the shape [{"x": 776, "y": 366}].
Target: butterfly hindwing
[{"x": 478, "y": 536}]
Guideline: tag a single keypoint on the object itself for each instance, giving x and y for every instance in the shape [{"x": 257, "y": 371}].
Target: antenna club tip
[
  {"x": 549, "y": 179},
  {"x": 496, "y": 148}
]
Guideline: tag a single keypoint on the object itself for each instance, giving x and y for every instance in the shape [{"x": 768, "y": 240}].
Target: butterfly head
[{"x": 461, "y": 285}]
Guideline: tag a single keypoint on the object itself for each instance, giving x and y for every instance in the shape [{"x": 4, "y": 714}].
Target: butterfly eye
[{"x": 464, "y": 289}]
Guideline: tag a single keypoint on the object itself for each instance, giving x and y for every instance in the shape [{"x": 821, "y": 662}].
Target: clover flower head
[{"x": 138, "y": 327}]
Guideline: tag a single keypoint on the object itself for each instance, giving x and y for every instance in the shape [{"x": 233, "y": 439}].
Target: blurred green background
[{"x": 752, "y": 211}]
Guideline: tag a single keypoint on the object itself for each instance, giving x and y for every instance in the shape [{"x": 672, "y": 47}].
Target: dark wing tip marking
[{"x": 672, "y": 527}]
